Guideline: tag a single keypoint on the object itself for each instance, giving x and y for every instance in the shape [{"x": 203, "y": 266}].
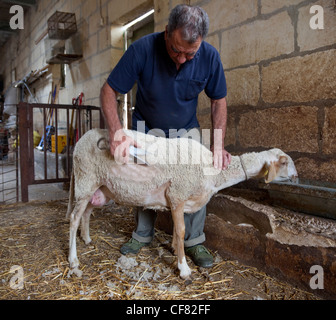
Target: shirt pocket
[{"x": 194, "y": 88}]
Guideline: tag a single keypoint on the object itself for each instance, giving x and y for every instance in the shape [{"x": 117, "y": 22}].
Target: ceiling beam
[{"x": 28, "y": 3}]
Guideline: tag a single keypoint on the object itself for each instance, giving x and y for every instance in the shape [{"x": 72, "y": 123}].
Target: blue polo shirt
[{"x": 166, "y": 97}]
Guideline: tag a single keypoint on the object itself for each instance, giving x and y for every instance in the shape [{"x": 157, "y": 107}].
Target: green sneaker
[
  {"x": 200, "y": 255},
  {"x": 132, "y": 246}
]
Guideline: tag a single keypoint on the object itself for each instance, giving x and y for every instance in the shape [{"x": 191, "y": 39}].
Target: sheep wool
[{"x": 181, "y": 167}]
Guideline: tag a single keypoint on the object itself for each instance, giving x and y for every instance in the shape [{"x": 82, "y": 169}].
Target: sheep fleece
[{"x": 181, "y": 162}]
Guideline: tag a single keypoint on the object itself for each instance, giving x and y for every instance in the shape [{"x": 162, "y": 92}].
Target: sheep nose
[{"x": 294, "y": 179}]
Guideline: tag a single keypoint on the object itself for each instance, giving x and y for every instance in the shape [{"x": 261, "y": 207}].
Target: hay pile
[{"x": 35, "y": 236}]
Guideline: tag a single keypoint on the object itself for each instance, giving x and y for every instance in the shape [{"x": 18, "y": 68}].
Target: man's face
[{"x": 180, "y": 50}]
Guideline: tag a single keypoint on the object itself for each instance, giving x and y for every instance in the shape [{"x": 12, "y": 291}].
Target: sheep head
[{"x": 280, "y": 169}]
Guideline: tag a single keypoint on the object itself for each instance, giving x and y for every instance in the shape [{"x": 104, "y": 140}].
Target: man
[{"x": 171, "y": 69}]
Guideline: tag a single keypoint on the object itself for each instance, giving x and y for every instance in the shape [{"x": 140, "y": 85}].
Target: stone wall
[
  {"x": 281, "y": 74},
  {"x": 281, "y": 78}
]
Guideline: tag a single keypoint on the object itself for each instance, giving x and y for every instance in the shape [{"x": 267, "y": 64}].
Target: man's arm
[
  {"x": 219, "y": 117},
  {"x": 108, "y": 99}
]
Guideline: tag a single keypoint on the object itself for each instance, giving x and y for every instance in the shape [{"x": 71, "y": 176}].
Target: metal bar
[
  {"x": 68, "y": 144},
  {"x": 79, "y": 128},
  {"x": 17, "y": 154},
  {"x": 45, "y": 144},
  {"x": 31, "y": 142},
  {"x": 101, "y": 119},
  {"x": 56, "y": 141},
  {"x": 61, "y": 106},
  {"x": 24, "y": 167},
  {"x": 50, "y": 181},
  {"x": 90, "y": 118},
  {"x": 8, "y": 181},
  {"x": 5, "y": 172}
]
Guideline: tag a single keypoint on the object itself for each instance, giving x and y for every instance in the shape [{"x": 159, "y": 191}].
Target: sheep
[{"x": 179, "y": 176}]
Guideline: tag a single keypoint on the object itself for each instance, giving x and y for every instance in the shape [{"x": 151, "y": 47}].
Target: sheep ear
[
  {"x": 283, "y": 161},
  {"x": 271, "y": 173}
]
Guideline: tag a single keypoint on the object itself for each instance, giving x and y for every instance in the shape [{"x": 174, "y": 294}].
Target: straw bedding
[{"x": 35, "y": 236}]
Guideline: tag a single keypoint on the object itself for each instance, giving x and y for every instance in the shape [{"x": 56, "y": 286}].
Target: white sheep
[{"x": 179, "y": 177}]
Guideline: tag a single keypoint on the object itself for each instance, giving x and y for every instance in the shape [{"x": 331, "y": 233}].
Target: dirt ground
[{"x": 34, "y": 244}]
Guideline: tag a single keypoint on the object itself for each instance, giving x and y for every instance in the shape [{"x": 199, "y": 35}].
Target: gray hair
[{"x": 193, "y": 22}]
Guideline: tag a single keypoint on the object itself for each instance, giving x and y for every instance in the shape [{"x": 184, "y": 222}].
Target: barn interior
[{"x": 268, "y": 239}]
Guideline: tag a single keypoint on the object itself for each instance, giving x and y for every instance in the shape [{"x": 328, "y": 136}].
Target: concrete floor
[
  {"x": 42, "y": 192},
  {"x": 47, "y": 192}
]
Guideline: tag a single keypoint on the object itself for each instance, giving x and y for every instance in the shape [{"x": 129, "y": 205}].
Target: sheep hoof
[
  {"x": 87, "y": 240},
  {"x": 185, "y": 271},
  {"x": 75, "y": 271},
  {"x": 188, "y": 281}
]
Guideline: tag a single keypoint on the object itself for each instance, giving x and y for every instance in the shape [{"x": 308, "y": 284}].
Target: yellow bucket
[{"x": 61, "y": 143}]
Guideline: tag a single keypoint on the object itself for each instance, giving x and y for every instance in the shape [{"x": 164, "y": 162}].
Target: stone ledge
[{"x": 279, "y": 242}]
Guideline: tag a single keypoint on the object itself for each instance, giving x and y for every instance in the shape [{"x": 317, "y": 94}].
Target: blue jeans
[
  {"x": 194, "y": 226},
  {"x": 194, "y": 223}
]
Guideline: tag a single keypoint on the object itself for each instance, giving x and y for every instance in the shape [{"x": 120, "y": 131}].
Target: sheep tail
[{"x": 71, "y": 195}]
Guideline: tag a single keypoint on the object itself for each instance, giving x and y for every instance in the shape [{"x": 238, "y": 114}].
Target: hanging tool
[
  {"x": 50, "y": 129},
  {"x": 73, "y": 134}
]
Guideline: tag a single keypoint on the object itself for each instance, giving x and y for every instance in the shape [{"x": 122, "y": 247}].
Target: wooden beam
[{"x": 28, "y": 3}]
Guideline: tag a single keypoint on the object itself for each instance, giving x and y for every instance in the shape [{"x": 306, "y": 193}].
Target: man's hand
[
  {"x": 221, "y": 158},
  {"x": 219, "y": 115},
  {"x": 119, "y": 141},
  {"x": 119, "y": 146}
]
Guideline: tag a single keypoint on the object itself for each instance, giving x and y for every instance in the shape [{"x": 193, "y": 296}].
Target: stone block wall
[
  {"x": 281, "y": 74},
  {"x": 281, "y": 77}
]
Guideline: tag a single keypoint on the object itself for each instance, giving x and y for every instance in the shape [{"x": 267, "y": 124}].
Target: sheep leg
[
  {"x": 75, "y": 218},
  {"x": 85, "y": 226},
  {"x": 179, "y": 232},
  {"x": 174, "y": 242},
  {"x": 98, "y": 199}
]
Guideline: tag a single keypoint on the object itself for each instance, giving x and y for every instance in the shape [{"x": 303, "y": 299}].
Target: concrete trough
[
  {"x": 312, "y": 197},
  {"x": 283, "y": 243}
]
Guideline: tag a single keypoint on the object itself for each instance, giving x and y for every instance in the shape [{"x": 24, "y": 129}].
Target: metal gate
[
  {"x": 9, "y": 162},
  {"x": 52, "y": 160}
]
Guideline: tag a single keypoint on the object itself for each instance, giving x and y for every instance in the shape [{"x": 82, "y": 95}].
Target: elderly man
[{"x": 171, "y": 69}]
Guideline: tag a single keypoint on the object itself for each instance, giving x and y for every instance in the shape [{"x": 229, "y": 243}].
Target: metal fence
[{"x": 56, "y": 164}]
